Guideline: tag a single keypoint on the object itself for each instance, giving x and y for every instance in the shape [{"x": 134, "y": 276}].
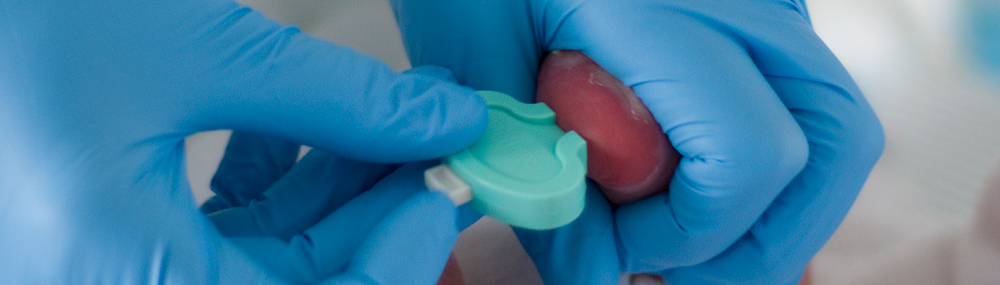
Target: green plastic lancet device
[{"x": 523, "y": 171}]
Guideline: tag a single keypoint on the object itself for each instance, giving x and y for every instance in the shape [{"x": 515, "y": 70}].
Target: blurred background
[{"x": 930, "y": 69}]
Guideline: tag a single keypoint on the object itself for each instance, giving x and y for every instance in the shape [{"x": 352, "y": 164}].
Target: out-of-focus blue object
[
  {"x": 96, "y": 98},
  {"x": 776, "y": 137},
  {"x": 982, "y": 24}
]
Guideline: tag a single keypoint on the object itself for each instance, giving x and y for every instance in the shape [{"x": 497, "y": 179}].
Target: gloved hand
[
  {"x": 308, "y": 225},
  {"x": 261, "y": 190},
  {"x": 96, "y": 98},
  {"x": 776, "y": 137}
]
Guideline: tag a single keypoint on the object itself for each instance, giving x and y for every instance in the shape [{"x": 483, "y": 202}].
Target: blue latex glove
[
  {"x": 251, "y": 164},
  {"x": 310, "y": 223},
  {"x": 96, "y": 98},
  {"x": 262, "y": 191},
  {"x": 981, "y": 19},
  {"x": 776, "y": 137}
]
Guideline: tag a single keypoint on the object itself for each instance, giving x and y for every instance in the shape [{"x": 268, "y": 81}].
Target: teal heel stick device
[{"x": 523, "y": 171}]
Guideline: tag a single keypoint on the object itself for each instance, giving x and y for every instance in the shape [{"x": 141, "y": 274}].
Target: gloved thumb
[
  {"x": 266, "y": 78},
  {"x": 398, "y": 232}
]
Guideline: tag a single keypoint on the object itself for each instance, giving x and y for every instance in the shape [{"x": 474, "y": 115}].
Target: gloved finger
[
  {"x": 319, "y": 184},
  {"x": 432, "y": 71},
  {"x": 311, "y": 190},
  {"x": 423, "y": 228},
  {"x": 581, "y": 252},
  {"x": 252, "y": 163},
  {"x": 503, "y": 61},
  {"x": 845, "y": 140},
  {"x": 259, "y": 76},
  {"x": 740, "y": 144},
  {"x": 778, "y": 247},
  {"x": 467, "y": 215},
  {"x": 397, "y": 217}
]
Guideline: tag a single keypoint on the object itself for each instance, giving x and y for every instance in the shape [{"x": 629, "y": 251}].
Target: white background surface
[{"x": 911, "y": 223}]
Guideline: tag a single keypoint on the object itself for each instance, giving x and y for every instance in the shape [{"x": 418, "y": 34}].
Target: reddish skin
[
  {"x": 452, "y": 274},
  {"x": 807, "y": 276},
  {"x": 628, "y": 154}
]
